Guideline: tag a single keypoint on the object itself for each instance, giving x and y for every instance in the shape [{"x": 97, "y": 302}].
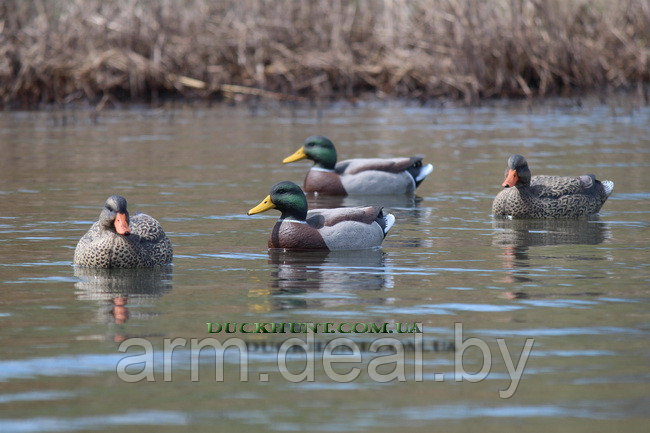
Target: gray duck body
[
  {"x": 338, "y": 229},
  {"x": 147, "y": 244},
  {"x": 379, "y": 176},
  {"x": 548, "y": 197}
]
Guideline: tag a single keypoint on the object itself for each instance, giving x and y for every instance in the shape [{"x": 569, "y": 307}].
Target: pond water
[{"x": 580, "y": 289}]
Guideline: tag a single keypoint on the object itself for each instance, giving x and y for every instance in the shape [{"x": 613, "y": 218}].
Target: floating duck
[
  {"x": 357, "y": 176},
  {"x": 120, "y": 241},
  {"x": 543, "y": 197},
  {"x": 350, "y": 228}
]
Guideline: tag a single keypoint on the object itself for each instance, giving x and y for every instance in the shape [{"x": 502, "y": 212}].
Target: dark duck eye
[{"x": 417, "y": 164}]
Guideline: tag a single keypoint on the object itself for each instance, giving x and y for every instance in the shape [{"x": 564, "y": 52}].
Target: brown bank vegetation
[{"x": 70, "y": 50}]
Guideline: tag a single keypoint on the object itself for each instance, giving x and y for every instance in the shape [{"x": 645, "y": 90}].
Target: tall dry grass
[{"x": 64, "y": 50}]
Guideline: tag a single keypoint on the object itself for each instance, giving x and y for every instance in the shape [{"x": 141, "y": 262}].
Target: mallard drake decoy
[
  {"x": 357, "y": 176},
  {"x": 120, "y": 241},
  {"x": 350, "y": 228},
  {"x": 541, "y": 197}
]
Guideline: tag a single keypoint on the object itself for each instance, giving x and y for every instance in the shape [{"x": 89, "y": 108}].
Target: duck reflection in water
[
  {"x": 114, "y": 290},
  {"x": 515, "y": 237},
  {"x": 336, "y": 275}
]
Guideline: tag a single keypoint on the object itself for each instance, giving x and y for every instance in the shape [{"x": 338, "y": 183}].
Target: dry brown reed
[{"x": 67, "y": 50}]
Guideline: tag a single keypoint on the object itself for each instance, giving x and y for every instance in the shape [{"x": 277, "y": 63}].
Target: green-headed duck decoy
[
  {"x": 357, "y": 176},
  {"x": 350, "y": 228}
]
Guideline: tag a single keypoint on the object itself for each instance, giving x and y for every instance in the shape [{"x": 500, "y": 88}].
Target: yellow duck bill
[
  {"x": 296, "y": 156},
  {"x": 264, "y": 205}
]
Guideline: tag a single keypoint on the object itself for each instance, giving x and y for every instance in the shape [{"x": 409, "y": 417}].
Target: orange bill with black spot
[
  {"x": 122, "y": 224},
  {"x": 511, "y": 179}
]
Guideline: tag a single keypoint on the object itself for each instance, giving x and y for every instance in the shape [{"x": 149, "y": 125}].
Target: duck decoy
[
  {"x": 350, "y": 228},
  {"x": 547, "y": 197},
  {"x": 120, "y": 241},
  {"x": 357, "y": 176}
]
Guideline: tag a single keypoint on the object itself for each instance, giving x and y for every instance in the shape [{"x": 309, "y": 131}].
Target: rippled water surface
[{"x": 578, "y": 288}]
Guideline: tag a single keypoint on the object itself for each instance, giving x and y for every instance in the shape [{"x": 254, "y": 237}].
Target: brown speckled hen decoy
[{"x": 542, "y": 197}]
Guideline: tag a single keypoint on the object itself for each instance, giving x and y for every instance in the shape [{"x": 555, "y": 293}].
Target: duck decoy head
[
  {"x": 114, "y": 215},
  {"x": 319, "y": 149},
  {"x": 288, "y": 198},
  {"x": 517, "y": 172}
]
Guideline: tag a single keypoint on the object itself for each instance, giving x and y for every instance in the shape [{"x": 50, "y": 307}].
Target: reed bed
[{"x": 69, "y": 50}]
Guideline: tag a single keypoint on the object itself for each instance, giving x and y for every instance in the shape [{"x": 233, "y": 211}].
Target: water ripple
[{"x": 50, "y": 424}]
